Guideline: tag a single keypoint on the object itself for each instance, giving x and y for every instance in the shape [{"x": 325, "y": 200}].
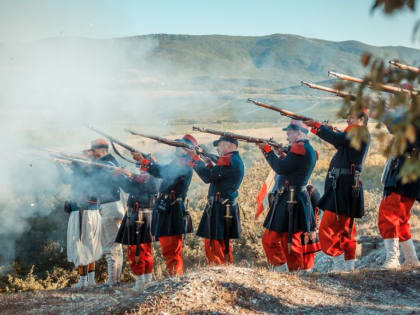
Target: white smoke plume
[{"x": 49, "y": 89}]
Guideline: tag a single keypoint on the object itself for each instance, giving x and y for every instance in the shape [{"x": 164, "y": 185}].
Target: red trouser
[
  {"x": 394, "y": 213},
  {"x": 308, "y": 261},
  {"x": 171, "y": 250},
  {"x": 215, "y": 252},
  {"x": 145, "y": 260},
  {"x": 276, "y": 249},
  {"x": 334, "y": 235}
]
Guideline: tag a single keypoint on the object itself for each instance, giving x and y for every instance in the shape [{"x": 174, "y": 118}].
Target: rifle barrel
[
  {"x": 283, "y": 112},
  {"x": 327, "y": 89},
  {"x": 372, "y": 85},
  {"x": 86, "y": 162},
  {"x": 159, "y": 139},
  {"x": 199, "y": 150},
  {"x": 403, "y": 66},
  {"x": 238, "y": 136}
]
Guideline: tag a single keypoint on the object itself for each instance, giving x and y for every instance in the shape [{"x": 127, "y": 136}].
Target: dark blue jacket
[
  {"x": 82, "y": 189},
  {"x": 225, "y": 179},
  {"x": 106, "y": 185},
  {"x": 170, "y": 217},
  {"x": 392, "y": 180},
  {"x": 344, "y": 158},
  {"x": 142, "y": 188},
  {"x": 295, "y": 169}
]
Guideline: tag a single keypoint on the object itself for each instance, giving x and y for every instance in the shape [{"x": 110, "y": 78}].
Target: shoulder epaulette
[
  {"x": 298, "y": 148},
  {"x": 224, "y": 160}
]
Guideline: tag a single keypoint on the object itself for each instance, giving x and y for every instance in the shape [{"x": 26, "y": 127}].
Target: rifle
[
  {"x": 236, "y": 136},
  {"x": 380, "y": 86},
  {"x": 403, "y": 66},
  {"x": 62, "y": 158},
  {"x": 330, "y": 90},
  {"x": 289, "y": 114},
  {"x": 120, "y": 143},
  {"x": 65, "y": 155},
  {"x": 198, "y": 149}
]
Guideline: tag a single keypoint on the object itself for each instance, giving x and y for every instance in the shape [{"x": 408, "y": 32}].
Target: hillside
[
  {"x": 172, "y": 78},
  {"x": 273, "y": 61}
]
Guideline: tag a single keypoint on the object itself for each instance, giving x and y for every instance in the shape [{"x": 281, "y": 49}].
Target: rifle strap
[{"x": 120, "y": 155}]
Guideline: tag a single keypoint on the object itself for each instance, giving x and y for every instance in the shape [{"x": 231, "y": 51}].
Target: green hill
[{"x": 194, "y": 74}]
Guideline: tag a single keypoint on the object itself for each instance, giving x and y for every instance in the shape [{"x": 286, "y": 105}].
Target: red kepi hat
[{"x": 188, "y": 139}]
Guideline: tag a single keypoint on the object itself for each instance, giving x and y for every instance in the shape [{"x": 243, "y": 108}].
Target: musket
[
  {"x": 289, "y": 114},
  {"x": 380, "y": 86},
  {"x": 330, "y": 90},
  {"x": 61, "y": 158},
  {"x": 120, "y": 143},
  {"x": 64, "y": 154},
  {"x": 403, "y": 66},
  {"x": 198, "y": 149},
  {"x": 239, "y": 137}
]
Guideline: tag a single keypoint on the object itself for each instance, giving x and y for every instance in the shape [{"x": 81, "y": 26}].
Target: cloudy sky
[{"x": 27, "y": 20}]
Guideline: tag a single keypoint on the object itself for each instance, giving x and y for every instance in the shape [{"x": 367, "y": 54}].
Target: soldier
[
  {"x": 343, "y": 194},
  {"x": 171, "y": 220},
  {"x": 290, "y": 218},
  {"x": 112, "y": 211},
  {"x": 398, "y": 199},
  {"x": 135, "y": 230},
  {"x": 220, "y": 221},
  {"x": 84, "y": 226}
]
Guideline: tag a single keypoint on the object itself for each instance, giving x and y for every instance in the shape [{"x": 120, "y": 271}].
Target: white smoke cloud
[{"x": 49, "y": 89}]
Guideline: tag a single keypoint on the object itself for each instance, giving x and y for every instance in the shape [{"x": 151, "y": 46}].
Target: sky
[{"x": 337, "y": 20}]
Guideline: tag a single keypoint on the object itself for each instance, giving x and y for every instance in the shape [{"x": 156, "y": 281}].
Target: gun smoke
[{"x": 50, "y": 89}]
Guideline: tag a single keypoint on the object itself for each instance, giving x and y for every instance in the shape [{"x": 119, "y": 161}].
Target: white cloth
[
  {"x": 112, "y": 215},
  {"x": 88, "y": 249}
]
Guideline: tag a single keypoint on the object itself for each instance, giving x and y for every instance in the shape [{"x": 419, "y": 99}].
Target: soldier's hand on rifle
[
  {"x": 190, "y": 152},
  {"x": 206, "y": 160},
  {"x": 278, "y": 151},
  {"x": 137, "y": 156},
  {"x": 122, "y": 171},
  {"x": 136, "y": 259},
  {"x": 309, "y": 123},
  {"x": 262, "y": 145}
]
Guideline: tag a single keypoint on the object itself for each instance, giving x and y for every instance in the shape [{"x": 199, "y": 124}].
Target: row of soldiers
[{"x": 160, "y": 212}]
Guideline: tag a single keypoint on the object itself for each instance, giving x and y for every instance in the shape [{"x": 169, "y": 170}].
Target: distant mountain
[
  {"x": 195, "y": 74},
  {"x": 274, "y": 61}
]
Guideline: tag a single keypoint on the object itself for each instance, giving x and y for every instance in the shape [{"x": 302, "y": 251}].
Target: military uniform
[
  {"x": 341, "y": 202},
  {"x": 136, "y": 228},
  {"x": 84, "y": 225},
  {"x": 395, "y": 207},
  {"x": 291, "y": 214},
  {"x": 220, "y": 221},
  {"x": 171, "y": 220}
]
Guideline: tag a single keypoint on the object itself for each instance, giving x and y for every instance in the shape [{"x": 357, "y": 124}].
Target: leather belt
[{"x": 336, "y": 172}]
